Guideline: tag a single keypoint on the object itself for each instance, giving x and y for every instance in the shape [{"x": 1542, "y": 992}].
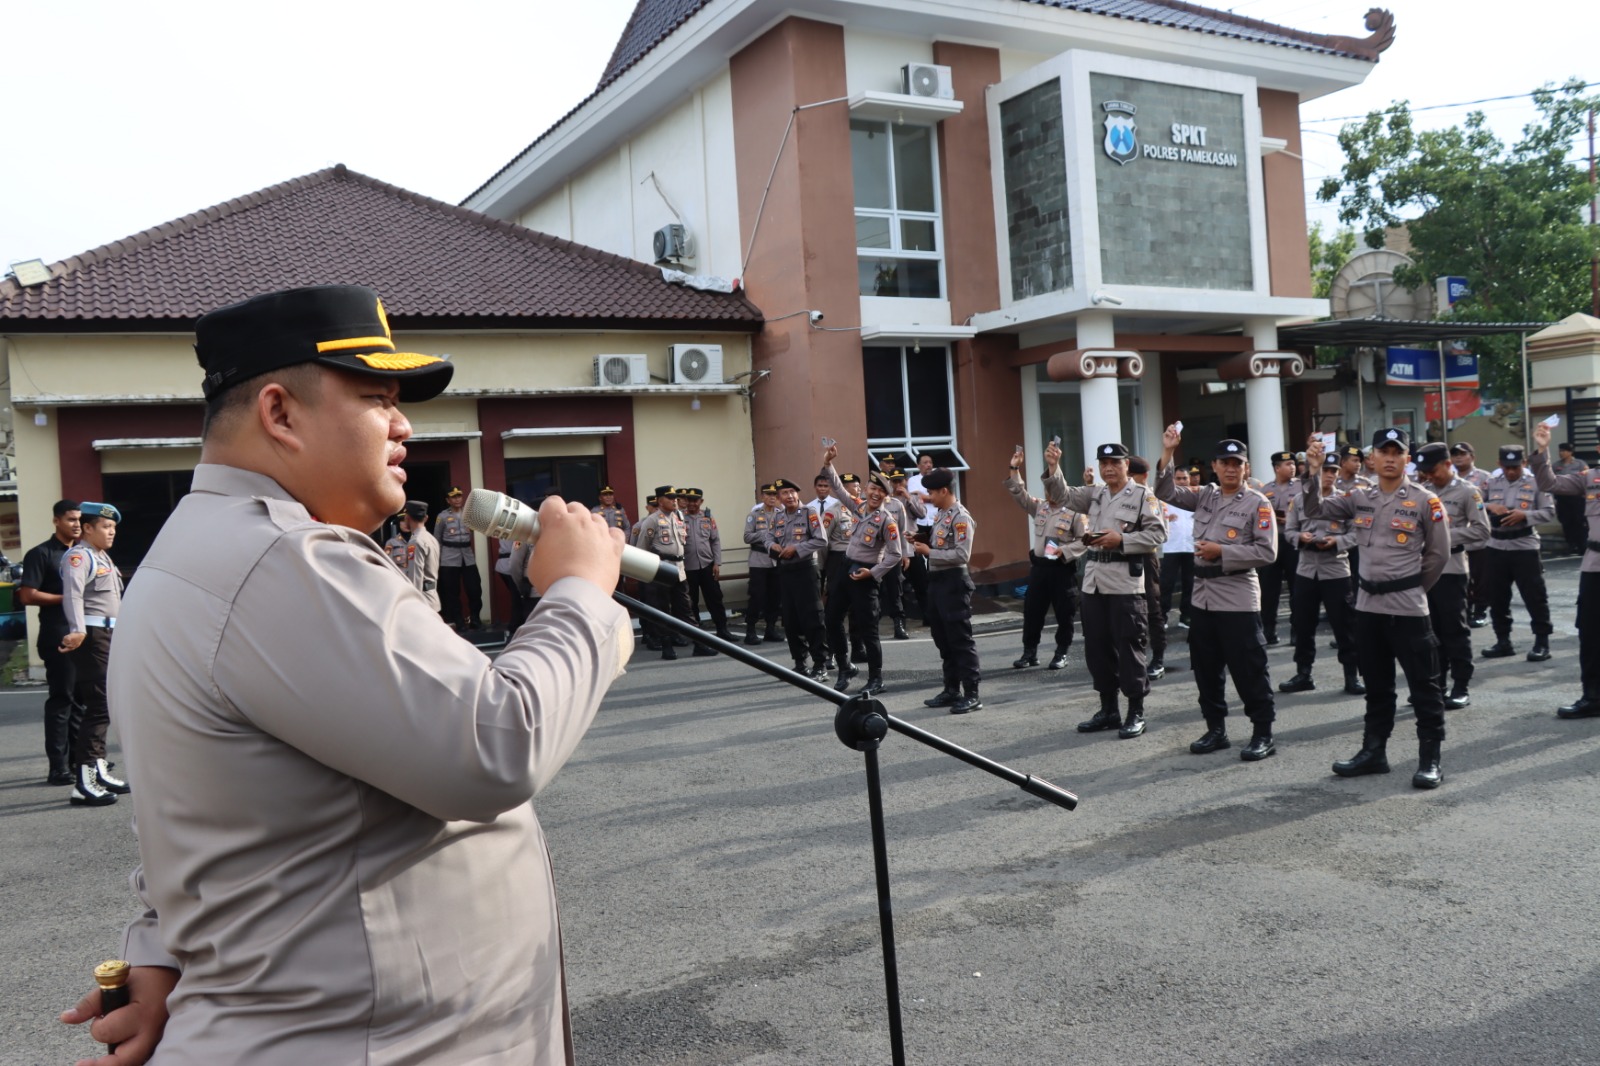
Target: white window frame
[
  {"x": 895, "y": 215},
  {"x": 912, "y": 442}
]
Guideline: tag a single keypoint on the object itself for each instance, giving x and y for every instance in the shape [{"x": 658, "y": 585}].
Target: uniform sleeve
[
  {"x": 958, "y": 547},
  {"x": 1291, "y": 522},
  {"x": 1167, "y": 490},
  {"x": 1436, "y": 547},
  {"x": 1152, "y": 531},
  {"x": 1544, "y": 509},
  {"x": 1055, "y": 484},
  {"x": 429, "y": 720},
  {"x": 893, "y": 547},
  {"x": 1261, "y": 549},
  {"x": 430, "y": 571},
  {"x": 836, "y": 487},
  {"x": 914, "y": 506},
  {"x": 1019, "y": 492},
  {"x": 752, "y": 534},
  {"x": 818, "y": 540},
  {"x": 1333, "y": 507},
  {"x": 74, "y": 579},
  {"x": 644, "y": 536},
  {"x": 141, "y": 938}
]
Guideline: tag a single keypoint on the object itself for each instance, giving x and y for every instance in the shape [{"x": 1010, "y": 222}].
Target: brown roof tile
[{"x": 434, "y": 264}]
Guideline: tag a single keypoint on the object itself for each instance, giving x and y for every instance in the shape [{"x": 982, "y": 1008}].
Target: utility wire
[{"x": 1441, "y": 107}]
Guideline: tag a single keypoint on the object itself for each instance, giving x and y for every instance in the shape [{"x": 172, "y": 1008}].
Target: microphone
[{"x": 497, "y": 515}]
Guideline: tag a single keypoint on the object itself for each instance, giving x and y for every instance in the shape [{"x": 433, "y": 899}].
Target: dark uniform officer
[
  {"x": 41, "y": 587},
  {"x": 1235, "y": 531},
  {"x": 91, "y": 598},
  {"x": 875, "y": 549},
  {"x": 1586, "y": 487},
  {"x": 1516, "y": 507},
  {"x": 764, "y": 596},
  {"x": 1405, "y": 543},
  {"x": 947, "y": 610},
  {"x": 664, "y": 534},
  {"x": 702, "y": 559},
  {"x": 1322, "y": 579},
  {"x": 1126, "y": 527},
  {"x": 793, "y": 539},
  {"x": 1052, "y": 564},
  {"x": 458, "y": 566},
  {"x": 1280, "y": 493},
  {"x": 1447, "y": 600}
]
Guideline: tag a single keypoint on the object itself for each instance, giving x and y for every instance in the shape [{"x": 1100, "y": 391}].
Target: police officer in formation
[
  {"x": 1516, "y": 506},
  {"x": 1464, "y": 459},
  {"x": 1155, "y": 614},
  {"x": 1125, "y": 525},
  {"x": 702, "y": 561},
  {"x": 663, "y": 533},
  {"x": 91, "y": 598},
  {"x": 1404, "y": 537},
  {"x": 1235, "y": 531},
  {"x": 1280, "y": 493},
  {"x": 1447, "y": 601},
  {"x": 947, "y": 606},
  {"x": 875, "y": 549},
  {"x": 1322, "y": 580},
  {"x": 421, "y": 551},
  {"x": 458, "y": 566},
  {"x": 1585, "y": 487},
  {"x": 764, "y": 594},
  {"x": 1052, "y": 563},
  {"x": 895, "y": 583},
  {"x": 614, "y": 514},
  {"x": 794, "y": 538}
]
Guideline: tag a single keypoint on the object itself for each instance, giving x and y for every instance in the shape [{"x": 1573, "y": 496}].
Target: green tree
[
  {"x": 1511, "y": 220},
  {"x": 1328, "y": 254}
]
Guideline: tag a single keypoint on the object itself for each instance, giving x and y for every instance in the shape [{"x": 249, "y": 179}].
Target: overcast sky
[{"x": 121, "y": 116}]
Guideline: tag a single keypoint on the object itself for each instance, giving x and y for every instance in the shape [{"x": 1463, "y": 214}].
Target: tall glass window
[
  {"x": 911, "y": 404},
  {"x": 898, "y": 236}
]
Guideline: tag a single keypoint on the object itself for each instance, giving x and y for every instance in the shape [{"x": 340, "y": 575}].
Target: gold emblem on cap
[{"x": 396, "y": 360}]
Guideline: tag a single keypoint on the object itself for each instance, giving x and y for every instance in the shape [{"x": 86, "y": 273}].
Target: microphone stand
[{"x": 861, "y": 723}]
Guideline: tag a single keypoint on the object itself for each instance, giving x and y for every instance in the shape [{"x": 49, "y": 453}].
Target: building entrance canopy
[{"x": 1386, "y": 332}]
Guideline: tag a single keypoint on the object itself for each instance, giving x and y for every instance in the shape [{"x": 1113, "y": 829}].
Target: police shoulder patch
[{"x": 1436, "y": 508}]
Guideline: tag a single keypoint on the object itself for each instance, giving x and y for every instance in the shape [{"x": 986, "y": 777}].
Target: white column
[
  {"x": 1101, "y": 414},
  {"x": 1263, "y": 402}
]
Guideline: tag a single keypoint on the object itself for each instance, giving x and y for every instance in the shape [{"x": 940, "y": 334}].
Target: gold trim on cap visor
[
  {"x": 323, "y": 347},
  {"x": 396, "y": 360}
]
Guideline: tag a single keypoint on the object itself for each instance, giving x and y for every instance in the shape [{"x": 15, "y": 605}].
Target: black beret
[
  {"x": 665, "y": 490},
  {"x": 881, "y": 481},
  {"x": 850, "y": 479},
  {"x": 1231, "y": 449},
  {"x": 1393, "y": 435},
  {"x": 938, "y": 478},
  {"x": 339, "y": 326},
  {"x": 691, "y": 494},
  {"x": 650, "y": 499},
  {"x": 416, "y": 509},
  {"x": 1112, "y": 451},
  {"x": 784, "y": 483},
  {"x": 1330, "y": 461},
  {"x": 1137, "y": 465},
  {"x": 769, "y": 490},
  {"x": 1511, "y": 453}
]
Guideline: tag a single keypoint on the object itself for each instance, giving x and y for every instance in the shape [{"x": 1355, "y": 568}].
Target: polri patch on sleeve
[
  {"x": 1264, "y": 517},
  {"x": 961, "y": 532},
  {"x": 1436, "y": 508}
]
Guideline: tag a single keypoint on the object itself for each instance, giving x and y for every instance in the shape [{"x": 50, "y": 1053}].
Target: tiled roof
[{"x": 433, "y": 263}]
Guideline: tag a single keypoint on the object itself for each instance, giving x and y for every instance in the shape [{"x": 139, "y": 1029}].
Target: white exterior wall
[
  {"x": 872, "y": 61},
  {"x": 615, "y": 205}
]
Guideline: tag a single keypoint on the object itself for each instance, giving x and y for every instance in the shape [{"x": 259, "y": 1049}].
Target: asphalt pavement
[{"x": 715, "y": 874}]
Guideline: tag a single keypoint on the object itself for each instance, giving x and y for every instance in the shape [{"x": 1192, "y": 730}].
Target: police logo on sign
[{"x": 1121, "y": 145}]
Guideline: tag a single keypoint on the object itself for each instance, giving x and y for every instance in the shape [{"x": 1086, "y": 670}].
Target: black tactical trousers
[
  {"x": 764, "y": 598},
  {"x": 1177, "y": 578},
  {"x": 892, "y": 594},
  {"x": 674, "y": 600},
  {"x": 91, "y": 659},
  {"x": 1447, "y": 615},
  {"x": 1574, "y": 526},
  {"x": 857, "y": 600},
  {"x": 1526, "y": 570},
  {"x": 1383, "y": 640},
  {"x": 1052, "y": 586},
  {"x": 703, "y": 582},
  {"x": 1477, "y": 581},
  {"x": 1272, "y": 577},
  {"x": 1230, "y": 643},
  {"x": 947, "y": 609},
  {"x": 1589, "y": 633},
  {"x": 1155, "y": 617},
  {"x": 838, "y": 576},
  {"x": 452, "y": 581},
  {"x": 1310, "y": 596},
  {"x": 63, "y": 715},
  {"x": 1116, "y": 639},
  {"x": 802, "y": 611}
]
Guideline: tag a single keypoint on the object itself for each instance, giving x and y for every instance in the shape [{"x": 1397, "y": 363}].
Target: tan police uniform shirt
[
  {"x": 90, "y": 587},
  {"x": 664, "y": 534},
  {"x": 1400, "y": 535},
  {"x": 395, "y": 548},
  {"x": 1469, "y": 522},
  {"x": 1057, "y": 530},
  {"x": 455, "y": 538},
  {"x": 755, "y": 533},
  {"x": 1319, "y": 564},
  {"x": 950, "y": 538},
  {"x": 702, "y": 542},
  {"x": 1246, "y": 528},
  {"x": 1520, "y": 495},
  {"x": 337, "y": 847},
  {"x": 1134, "y": 512},
  {"x": 876, "y": 540},
  {"x": 802, "y": 531},
  {"x": 613, "y": 516},
  {"x": 1586, "y": 485},
  {"x": 907, "y": 525},
  {"x": 422, "y": 565}
]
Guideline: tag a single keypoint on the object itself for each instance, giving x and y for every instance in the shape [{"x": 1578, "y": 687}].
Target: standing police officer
[
  {"x": 664, "y": 534},
  {"x": 1322, "y": 578},
  {"x": 612, "y": 512},
  {"x": 458, "y": 566},
  {"x": 422, "y": 552},
  {"x": 893, "y": 595},
  {"x": 1587, "y": 487},
  {"x": 794, "y": 538},
  {"x": 763, "y": 580},
  {"x": 1516, "y": 507},
  {"x": 1126, "y": 527},
  {"x": 1463, "y": 458},
  {"x": 91, "y": 598},
  {"x": 1405, "y": 542},
  {"x": 1235, "y": 532},
  {"x": 875, "y": 549},
  {"x": 1447, "y": 600},
  {"x": 1280, "y": 492},
  {"x": 702, "y": 558},
  {"x": 1052, "y": 562},
  {"x": 947, "y": 608}
]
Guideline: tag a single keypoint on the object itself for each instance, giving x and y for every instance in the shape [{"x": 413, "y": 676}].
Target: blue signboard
[{"x": 1420, "y": 366}]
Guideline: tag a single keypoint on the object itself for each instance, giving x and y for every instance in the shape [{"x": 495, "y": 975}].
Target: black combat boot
[
  {"x": 1500, "y": 649},
  {"x": 1587, "y": 706},
  {"x": 1540, "y": 650},
  {"x": 1156, "y": 670},
  {"x": 651, "y": 643},
  {"x": 1373, "y": 758},
  {"x": 703, "y": 651},
  {"x": 1214, "y": 739},
  {"x": 1059, "y": 660},
  {"x": 1260, "y": 746},
  {"x": 947, "y": 696},
  {"x": 900, "y": 630},
  {"x": 1272, "y": 638},
  {"x": 874, "y": 685},
  {"x": 1428, "y": 774},
  {"x": 772, "y": 636},
  {"x": 1479, "y": 619},
  {"x": 1458, "y": 697},
  {"x": 752, "y": 635},
  {"x": 1133, "y": 725},
  {"x": 669, "y": 652},
  {"x": 1352, "y": 682},
  {"x": 1300, "y": 682},
  {"x": 968, "y": 702},
  {"x": 1107, "y": 717},
  {"x": 1029, "y": 657},
  {"x": 726, "y": 634}
]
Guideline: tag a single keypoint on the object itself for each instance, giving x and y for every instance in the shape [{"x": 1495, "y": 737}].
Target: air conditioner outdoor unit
[
  {"x": 928, "y": 79},
  {"x": 619, "y": 370},
  {"x": 696, "y": 364},
  {"x": 672, "y": 242}
]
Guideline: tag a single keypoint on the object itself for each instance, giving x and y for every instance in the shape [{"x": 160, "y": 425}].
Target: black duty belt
[
  {"x": 1593, "y": 545},
  {"x": 457, "y": 543},
  {"x": 946, "y": 570},
  {"x": 804, "y": 562},
  {"x": 1208, "y": 571},
  {"x": 1400, "y": 584},
  {"x": 1045, "y": 560},
  {"x": 673, "y": 558},
  {"x": 1096, "y": 555},
  {"x": 1454, "y": 548},
  {"x": 1514, "y": 533}
]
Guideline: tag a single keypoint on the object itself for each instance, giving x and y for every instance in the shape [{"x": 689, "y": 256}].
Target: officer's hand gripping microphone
[{"x": 494, "y": 514}]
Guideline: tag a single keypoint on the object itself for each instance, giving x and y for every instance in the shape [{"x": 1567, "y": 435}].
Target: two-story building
[{"x": 969, "y": 225}]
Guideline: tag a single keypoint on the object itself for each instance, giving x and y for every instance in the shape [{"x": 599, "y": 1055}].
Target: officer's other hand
[
  {"x": 1514, "y": 518},
  {"x": 71, "y": 641},
  {"x": 716, "y": 572},
  {"x": 1307, "y": 538},
  {"x": 1326, "y": 544},
  {"x": 788, "y": 552},
  {"x": 829, "y": 454},
  {"x": 1314, "y": 454},
  {"x": 1541, "y": 437},
  {"x": 136, "y": 1029},
  {"x": 860, "y": 575},
  {"x": 921, "y": 548},
  {"x": 1496, "y": 508},
  {"x": 1088, "y": 475},
  {"x": 905, "y": 564},
  {"x": 1110, "y": 540},
  {"x": 574, "y": 543},
  {"x": 1171, "y": 438},
  {"x": 1052, "y": 455},
  {"x": 1209, "y": 550}
]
